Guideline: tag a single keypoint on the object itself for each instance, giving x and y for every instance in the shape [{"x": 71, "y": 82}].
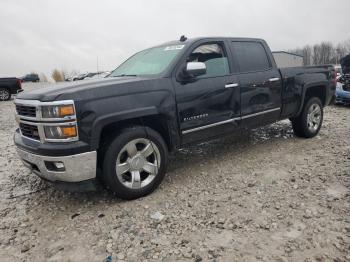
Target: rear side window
[{"x": 251, "y": 56}]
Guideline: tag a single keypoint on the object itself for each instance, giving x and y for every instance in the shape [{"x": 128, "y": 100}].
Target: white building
[{"x": 286, "y": 59}]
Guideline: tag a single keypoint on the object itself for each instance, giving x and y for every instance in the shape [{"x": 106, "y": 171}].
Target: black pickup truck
[
  {"x": 8, "y": 87},
  {"x": 120, "y": 130}
]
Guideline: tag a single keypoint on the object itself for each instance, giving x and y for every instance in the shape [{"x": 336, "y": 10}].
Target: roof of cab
[{"x": 218, "y": 38}]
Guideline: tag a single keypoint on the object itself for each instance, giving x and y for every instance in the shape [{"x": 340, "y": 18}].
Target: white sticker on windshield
[{"x": 173, "y": 47}]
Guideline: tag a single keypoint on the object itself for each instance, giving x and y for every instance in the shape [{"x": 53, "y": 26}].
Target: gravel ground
[{"x": 260, "y": 196}]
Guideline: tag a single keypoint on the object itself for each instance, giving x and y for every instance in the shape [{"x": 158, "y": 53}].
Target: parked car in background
[
  {"x": 8, "y": 87},
  {"x": 345, "y": 64},
  {"x": 30, "y": 78},
  {"x": 79, "y": 77},
  {"x": 120, "y": 129},
  {"x": 91, "y": 75},
  {"x": 338, "y": 70},
  {"x": 342, "y": 93},
  {"x": 68, "y": 79},
  {"x": 98, "y": 75}
]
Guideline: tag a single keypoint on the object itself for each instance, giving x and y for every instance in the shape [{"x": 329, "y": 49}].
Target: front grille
[
  {"x": 29, "y": 131},
  {"x": 26, "y": 110}
]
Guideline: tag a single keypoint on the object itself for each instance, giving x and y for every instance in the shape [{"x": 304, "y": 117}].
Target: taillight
[
  {"x": 19, "y": 83},
  {"x": 334, "y": 75}
]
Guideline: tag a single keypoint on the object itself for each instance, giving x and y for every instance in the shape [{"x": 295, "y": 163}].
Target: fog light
[
  {"x": 59, "y": 165},
  {"x": 55, "y": 166}
]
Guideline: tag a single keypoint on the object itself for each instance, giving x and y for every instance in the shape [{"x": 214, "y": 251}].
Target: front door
[{"x": 208, "y": 105}]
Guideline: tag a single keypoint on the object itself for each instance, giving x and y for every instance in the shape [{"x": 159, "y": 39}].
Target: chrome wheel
[
  {"x": 4, "y": 95},
  {"x": 138, "y": 163},
  {"x": 314, "y": 115}
]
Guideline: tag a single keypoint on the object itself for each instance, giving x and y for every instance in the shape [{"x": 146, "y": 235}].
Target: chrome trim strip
[
  {"x": 72, "y": 123},
  {"x": 211, "y": 125},
  {"x": 229, "y": 121},
  {"x": 274, "y": 79},
  {"x": 78, "y": 167},
  {"x": 260, "y": 113},
  {"x": 231, "y": 85}
]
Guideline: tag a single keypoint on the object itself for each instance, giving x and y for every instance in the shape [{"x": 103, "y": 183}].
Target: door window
[
  {"x": 214, "y": 57},
  {"x": 251, "y": 56}
]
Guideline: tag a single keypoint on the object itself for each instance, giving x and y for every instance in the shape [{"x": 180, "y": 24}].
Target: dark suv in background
[{"x": 30, "y": 78}]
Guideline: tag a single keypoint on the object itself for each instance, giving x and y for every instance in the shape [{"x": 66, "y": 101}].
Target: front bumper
[{"x": 77, "y": 168}]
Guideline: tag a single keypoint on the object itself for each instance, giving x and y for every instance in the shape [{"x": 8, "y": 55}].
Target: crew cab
[
  {"x": 9, "y": 86},
  {"x": 119, "y": 130}
]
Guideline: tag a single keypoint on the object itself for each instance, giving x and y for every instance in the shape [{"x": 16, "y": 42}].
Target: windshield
[{"x": 151, "y": 61}]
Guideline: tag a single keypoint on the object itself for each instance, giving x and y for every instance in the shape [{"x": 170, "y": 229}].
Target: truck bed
[{"x": 295, "y": 80}]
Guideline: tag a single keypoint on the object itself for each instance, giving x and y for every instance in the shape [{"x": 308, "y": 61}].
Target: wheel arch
[
  {"x": 317, "y": 89},
  {"x": 6, "y": 87},
  {"x": 111, "y": 125}
]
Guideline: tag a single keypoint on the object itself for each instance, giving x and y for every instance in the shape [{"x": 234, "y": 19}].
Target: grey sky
[{"x": 40, "y": 35}]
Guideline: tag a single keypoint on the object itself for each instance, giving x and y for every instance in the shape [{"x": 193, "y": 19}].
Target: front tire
[
  {"x": 309, "y": 122},
  {"x": 5, "y": 94},
  {"x": 135, "y": 162}
]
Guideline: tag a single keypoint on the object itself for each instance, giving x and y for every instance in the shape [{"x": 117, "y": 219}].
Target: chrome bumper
[{"x": 77, "y": 168}]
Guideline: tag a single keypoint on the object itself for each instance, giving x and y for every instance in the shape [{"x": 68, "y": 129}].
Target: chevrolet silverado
[{"x": 119, "y": 130}]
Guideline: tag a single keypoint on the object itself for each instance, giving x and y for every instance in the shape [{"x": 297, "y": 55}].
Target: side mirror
[{"x": 194, "y": 69}]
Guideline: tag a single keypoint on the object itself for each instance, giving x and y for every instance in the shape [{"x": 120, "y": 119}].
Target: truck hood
[{"x": 87, "y": 89}]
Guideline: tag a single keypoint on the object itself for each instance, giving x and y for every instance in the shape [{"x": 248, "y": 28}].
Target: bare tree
[
  {"x": 307, "y": 55},
  {"x": 316, "y": 54},
  {"x": 341, "y": 51},
  {"x": 326, "y": 50},
  {"x": 347, "y": 45},
  {"x": 323, "y": 53},
  {"x": 57, "y": 75}
]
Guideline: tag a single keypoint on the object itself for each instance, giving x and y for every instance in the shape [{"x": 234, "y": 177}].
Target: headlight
[
  {"x": 57, "y": 111},
  {"x": 61, "y": 132}
]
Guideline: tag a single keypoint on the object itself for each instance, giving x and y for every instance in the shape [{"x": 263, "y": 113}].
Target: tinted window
[
  {"x": 251, "y": 56},
  {"x": 214, "y": 57}
]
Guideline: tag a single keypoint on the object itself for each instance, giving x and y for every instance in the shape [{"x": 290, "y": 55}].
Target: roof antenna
[{"x": 183, "y": 38}]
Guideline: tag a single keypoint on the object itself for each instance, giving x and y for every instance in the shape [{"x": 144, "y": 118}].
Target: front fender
[{"x": 105, "y": 120}]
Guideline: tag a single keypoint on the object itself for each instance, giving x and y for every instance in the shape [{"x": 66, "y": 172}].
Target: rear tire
[
  {"x": 5, "y": 94},
  {"x": 134, "y": 162},
  {"x": 309, "y": 122}
]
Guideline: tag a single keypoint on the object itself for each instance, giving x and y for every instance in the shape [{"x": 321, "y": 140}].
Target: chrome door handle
[
  {"x": 231, "y": 85},
  {"x": 274, "y": 79}
]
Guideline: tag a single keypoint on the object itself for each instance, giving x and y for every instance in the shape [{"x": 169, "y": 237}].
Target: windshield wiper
[{"x": 124, "y": 75}]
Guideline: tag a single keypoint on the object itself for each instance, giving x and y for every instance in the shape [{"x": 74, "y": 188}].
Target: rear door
[{"x": 260, "y": 83}]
